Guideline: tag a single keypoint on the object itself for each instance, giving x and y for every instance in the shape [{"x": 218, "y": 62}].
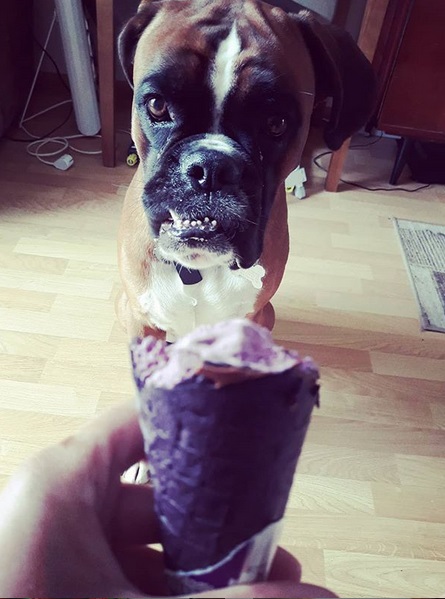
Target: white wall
[
  {"x": 323, "y": 7},
  {"x": 327, "y": 9},
  {"x": 355, "y": 16}
]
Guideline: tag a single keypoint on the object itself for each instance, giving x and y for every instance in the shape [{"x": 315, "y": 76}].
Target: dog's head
[{"x": 223, "y": 95}]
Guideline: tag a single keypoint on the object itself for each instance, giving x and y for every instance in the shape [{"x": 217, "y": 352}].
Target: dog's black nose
[{"x": 212, "y": 171}]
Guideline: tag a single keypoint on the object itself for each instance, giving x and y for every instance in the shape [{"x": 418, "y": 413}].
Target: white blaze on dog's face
[
  {"x": 223, "y": 72},
  {"x": 222, "y": 80}
]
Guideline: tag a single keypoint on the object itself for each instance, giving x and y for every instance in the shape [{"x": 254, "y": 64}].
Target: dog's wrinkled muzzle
[{"x": 212, "y": 200}]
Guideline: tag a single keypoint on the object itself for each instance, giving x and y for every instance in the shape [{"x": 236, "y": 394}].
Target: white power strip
[
  {"x": 79, "y": 65},
  {"x": 295, "y": 183},
  {"x": 65, "y": 161}
]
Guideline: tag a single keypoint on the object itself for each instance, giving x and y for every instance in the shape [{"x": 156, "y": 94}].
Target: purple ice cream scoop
[{"x": 224, "y": 413}]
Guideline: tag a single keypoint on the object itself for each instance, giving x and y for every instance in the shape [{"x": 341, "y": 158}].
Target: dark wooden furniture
[
  {"x": 106, "y": 69},
  {"x": 410, "y": 67},
  {"x": 371, "y": 26},
  {"x": 16, "y": 59}
]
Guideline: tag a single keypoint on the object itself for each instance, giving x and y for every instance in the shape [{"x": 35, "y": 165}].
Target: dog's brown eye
[
  {"x": 276, "y": 125},
  {"x": 158, "y": 109}
]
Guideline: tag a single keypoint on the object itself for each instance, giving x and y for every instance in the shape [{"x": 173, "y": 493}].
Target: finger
[
  {"x": 284, "y": 581},
  {"x": 265, "y": 590},
  {"x": 144, "y": 568},
  {"x": 285, "y": 567},
  {"x": 261, "y": 590},
  {"x": 134, "y": 519},
  {"x": 117, "y": 431},
  {"x": 312, "y": 591}
]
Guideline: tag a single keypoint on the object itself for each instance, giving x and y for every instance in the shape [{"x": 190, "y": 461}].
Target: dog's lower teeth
[{"x": 178, "y": 225}]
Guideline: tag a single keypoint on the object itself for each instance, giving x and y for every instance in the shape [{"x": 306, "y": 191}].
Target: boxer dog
[{"x": 223, "y": 96}]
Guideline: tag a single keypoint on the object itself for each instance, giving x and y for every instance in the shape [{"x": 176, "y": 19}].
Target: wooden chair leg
[
  {"x": 367, "y": 41},
  {"x": 336, "y": 166}
]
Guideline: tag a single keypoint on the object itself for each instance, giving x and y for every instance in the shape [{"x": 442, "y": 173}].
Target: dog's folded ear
[
  {"x": 131, "y": 33},
  {"x": 341, "y": 71}
]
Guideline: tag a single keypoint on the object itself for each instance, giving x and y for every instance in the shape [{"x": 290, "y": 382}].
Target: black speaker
[{"x": 426, "y": 161}]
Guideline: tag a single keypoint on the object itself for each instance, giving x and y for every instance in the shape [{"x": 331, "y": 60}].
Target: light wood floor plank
[
  {"x": 353, "y": 574},
  {"x": 408, "y": 366},
  {"x": 13, "y": 343},
  {"x": 13, "y": 454},
  {"x": 409, "y": 502},
  {"x": 48, "y": 397},
  {"x": 389, "y": 438},
  {"x": 326, "y": 461},
  {"x": 419, "y": 470},
  {"x": 54, "y": 283},
  {"x": 401, "y": 412},
  {"x": 331, "y": 495},
  {"x": 370, "y": 535},
  {"x": 429, "y": 344}
]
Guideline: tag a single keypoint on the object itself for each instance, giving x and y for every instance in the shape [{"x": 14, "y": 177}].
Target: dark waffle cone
[{"x": 222, "y": 460}]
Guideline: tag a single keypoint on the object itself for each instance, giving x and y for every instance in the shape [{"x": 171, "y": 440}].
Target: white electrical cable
[
  {"x": 41, "y": 143},
  {"x": 58, "y": 140},
  {"x": 42, "y": 56},
  {"x": 63, "y": 141}
]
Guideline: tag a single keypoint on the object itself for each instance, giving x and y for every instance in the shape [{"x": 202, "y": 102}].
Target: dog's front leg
[{"x": 265, "y": 317}]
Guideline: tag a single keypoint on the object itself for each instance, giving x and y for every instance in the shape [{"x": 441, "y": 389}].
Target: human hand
[{"x": 70, "y": 528}]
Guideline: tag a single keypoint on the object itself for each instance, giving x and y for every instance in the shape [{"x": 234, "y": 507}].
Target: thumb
[
  {"x": 284, "y": 582},
  {"x": 284, "y": 589}
]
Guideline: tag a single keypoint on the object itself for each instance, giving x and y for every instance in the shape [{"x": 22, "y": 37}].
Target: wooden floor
[{"x": 367, "y": 512}]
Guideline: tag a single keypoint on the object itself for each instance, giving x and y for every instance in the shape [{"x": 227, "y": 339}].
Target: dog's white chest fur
[{"x": 177, "y": 308}]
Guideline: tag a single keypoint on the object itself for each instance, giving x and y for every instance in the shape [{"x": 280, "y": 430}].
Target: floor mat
[{"x": 423, "y": 247}]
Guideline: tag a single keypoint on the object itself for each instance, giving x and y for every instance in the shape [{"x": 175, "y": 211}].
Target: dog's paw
[{"x": 137, "y": 474}]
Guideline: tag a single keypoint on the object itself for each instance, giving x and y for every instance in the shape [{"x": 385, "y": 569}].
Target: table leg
[{"x": 106, "y": 54}]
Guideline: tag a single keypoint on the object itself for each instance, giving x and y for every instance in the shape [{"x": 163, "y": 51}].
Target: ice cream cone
[{"x": 223, "y": 444}]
